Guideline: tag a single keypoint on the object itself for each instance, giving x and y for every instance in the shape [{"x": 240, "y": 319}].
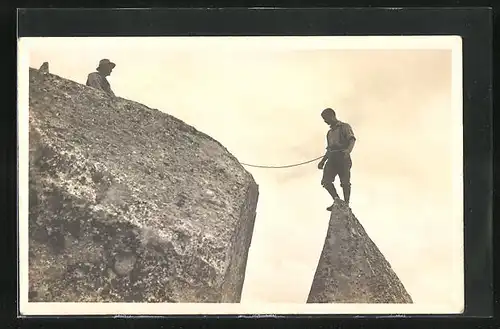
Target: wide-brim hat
[{"x": 105, "y": 62}]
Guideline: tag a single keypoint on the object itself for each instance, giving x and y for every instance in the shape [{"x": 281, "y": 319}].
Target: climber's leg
[
  {"x": 329, "y": 174},
  {"x": 345, "y": 177}
]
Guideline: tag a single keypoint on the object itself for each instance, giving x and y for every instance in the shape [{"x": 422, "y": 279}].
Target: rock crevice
[{"x": 129, "y": 204}]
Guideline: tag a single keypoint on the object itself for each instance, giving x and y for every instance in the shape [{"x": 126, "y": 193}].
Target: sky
[{"x": 262, "y": 100}]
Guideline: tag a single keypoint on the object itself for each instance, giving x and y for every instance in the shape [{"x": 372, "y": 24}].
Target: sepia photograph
[{"x": 240, "y": 175}]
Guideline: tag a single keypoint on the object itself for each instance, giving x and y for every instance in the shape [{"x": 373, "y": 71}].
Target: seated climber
[
  {"x": 98, "y": 79},
  {"x": 340, "y": 142}
]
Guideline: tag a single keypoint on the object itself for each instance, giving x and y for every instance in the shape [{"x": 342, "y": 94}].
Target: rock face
[
  {"x": 351, "y": 269},
  {"x": 129, "y": 204}
]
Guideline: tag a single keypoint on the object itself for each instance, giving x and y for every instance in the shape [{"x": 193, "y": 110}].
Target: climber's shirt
[
  {"x": 339, "y": 136},
  {"x": 97, "y": 80}
]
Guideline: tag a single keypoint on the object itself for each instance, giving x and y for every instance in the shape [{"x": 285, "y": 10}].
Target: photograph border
[{"x": 451, "y": 44}]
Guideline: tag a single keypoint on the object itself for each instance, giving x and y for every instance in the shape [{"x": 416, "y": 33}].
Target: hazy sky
[{"x": 264, "y": 105}]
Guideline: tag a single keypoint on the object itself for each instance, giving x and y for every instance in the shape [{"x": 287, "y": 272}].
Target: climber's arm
[
  {"x": 349, "y": 136},
  {"x": 325, "y": 157}
]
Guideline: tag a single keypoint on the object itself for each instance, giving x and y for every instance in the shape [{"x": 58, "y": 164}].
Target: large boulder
[
  {"x": 129, "y": 204},
  {"x": 351, "y": 268}
]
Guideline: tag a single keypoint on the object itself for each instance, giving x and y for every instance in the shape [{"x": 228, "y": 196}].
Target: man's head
[
  {"x": 329, "y": 116},
  {"x": 105, "y": 67}
]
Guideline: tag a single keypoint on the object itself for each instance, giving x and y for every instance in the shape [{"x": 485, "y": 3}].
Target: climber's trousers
[{"x": 338, "y": 165}]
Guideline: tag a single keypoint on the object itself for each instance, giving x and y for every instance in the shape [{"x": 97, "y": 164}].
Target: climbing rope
[{"x": 285, "y": 166}]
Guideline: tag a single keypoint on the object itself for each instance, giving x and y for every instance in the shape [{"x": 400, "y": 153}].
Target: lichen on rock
[
  {"x": 129, "y": 204},
  {"x": 351, "y": 268}
]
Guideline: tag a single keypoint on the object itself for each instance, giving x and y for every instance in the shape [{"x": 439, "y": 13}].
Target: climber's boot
[{"x": 336, "y": 200}]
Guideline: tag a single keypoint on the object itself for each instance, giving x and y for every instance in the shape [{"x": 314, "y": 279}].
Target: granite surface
[{"x": 129, "y": 204}]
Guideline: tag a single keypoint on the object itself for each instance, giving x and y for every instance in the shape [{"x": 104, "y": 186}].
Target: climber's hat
[{"x": 105, "y": 63}]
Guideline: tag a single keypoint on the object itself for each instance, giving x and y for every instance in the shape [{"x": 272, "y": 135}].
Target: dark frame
[{"x": 474, "y": 25}]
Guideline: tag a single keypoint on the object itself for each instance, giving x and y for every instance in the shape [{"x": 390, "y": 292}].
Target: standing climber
[
  {"x": 337, "y": 159},
  {"x": 98, "y": 79}
]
